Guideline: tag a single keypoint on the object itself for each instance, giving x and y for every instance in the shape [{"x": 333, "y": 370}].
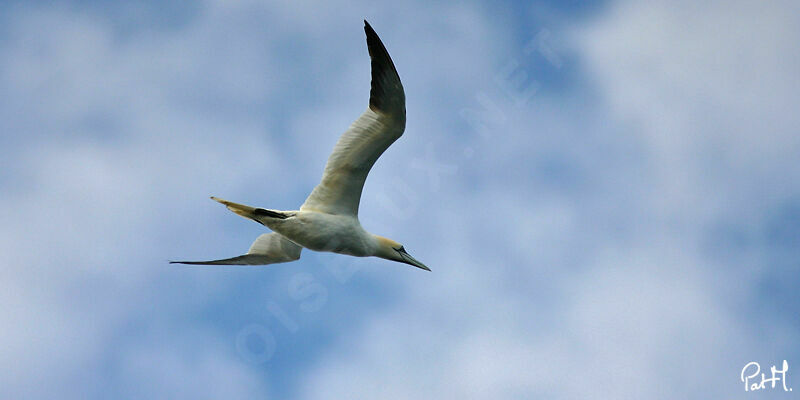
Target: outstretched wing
[
  {"x": 366, "y": 139},
  {"x": 269, "y": 248}
]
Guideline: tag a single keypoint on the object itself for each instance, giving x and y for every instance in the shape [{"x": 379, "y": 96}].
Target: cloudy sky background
[{"x": 608, "y": 195}]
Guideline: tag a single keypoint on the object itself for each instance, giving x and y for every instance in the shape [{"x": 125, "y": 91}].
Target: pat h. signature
[{"x": 750, "y": 377}]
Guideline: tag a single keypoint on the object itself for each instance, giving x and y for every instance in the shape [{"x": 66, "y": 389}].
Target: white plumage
[{"x": 328, "y": 219}]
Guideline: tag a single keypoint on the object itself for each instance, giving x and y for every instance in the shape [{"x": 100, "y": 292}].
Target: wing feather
[
  {"x": 269, "y": 248},
  {"x": 368, "y": 137}
]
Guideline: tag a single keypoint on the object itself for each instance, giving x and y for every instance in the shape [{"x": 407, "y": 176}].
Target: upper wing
[
  {"x": 366, "y": 139},
  {"x": 269, "y": 248}
]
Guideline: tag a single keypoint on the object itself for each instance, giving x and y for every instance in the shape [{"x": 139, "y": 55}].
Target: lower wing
[{"x": 269, "y": 248}]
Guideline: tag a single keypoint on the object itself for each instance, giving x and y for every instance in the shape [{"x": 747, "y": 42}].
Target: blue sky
[{"x": 607, "y": 194}]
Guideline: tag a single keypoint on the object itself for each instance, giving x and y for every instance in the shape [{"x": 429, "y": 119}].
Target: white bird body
[
  {"x": 328, "y": 219},
  {"x": 319, "y": 231}
]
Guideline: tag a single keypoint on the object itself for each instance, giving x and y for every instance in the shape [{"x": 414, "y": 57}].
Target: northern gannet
[{"x": 328, "y": 220}]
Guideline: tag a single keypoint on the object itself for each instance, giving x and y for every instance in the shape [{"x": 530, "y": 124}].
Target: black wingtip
[
  {"x": 386, "y": 92},
  {"x": 369, "y": 31},
  {"x": 189, "y": 262},
  {"x": 192, "y": 262}
]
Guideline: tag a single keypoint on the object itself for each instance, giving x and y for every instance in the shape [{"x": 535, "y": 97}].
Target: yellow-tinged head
[{"x": 390, "y": 250}]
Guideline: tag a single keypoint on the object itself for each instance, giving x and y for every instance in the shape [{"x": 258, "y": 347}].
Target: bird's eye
[{"x": 401, "y": 249}]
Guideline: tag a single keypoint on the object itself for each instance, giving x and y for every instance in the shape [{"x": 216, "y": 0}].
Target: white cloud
[
  {"x": 108, "y": 142},
  {"x": 707, "y": 87},
  {"x": 188, "y": 366}
]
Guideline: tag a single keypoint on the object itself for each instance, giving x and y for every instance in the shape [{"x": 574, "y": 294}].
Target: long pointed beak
[{"x": 412, "y": 261}]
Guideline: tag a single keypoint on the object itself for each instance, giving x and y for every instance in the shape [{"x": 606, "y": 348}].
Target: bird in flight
[{"x": 328, "y": 220}]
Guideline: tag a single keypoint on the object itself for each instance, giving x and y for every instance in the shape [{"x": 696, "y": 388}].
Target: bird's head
[{"x": 391, "y": 250}]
